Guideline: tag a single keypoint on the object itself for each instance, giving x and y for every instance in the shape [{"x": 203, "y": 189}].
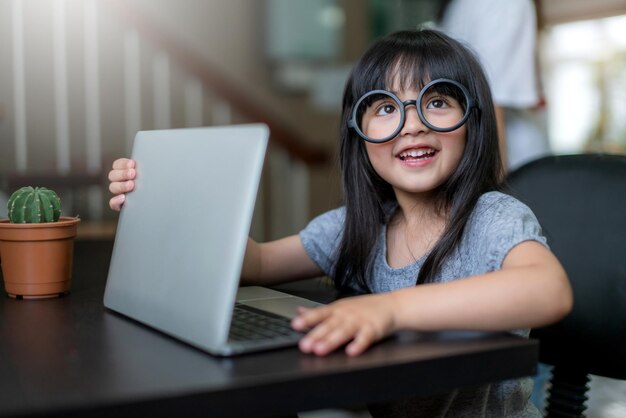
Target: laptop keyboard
[{"x": 250, "y": 324}]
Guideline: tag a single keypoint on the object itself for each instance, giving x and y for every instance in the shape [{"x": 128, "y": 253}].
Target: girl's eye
[
  {"x": 437, "y": 103},
  {"x": 385, "y": 109}
]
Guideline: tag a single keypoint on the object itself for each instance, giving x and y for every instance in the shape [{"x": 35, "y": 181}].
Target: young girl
[{"x": 424, "y": 228}]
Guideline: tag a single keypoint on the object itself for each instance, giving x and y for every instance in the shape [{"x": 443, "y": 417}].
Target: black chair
[{"x": 580, "y": 201}]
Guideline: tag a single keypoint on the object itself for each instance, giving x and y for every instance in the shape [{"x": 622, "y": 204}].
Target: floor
[{"x": 607, "y": 399}]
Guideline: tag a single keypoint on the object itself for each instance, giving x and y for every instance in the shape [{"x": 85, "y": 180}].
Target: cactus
[{"x": 34, "y": 205}]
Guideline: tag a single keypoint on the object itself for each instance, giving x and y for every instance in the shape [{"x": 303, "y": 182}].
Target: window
[{"x": 584, "y": 67}]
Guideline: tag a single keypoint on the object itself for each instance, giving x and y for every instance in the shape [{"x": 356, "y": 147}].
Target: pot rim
[{"x": 62, "y": 222}]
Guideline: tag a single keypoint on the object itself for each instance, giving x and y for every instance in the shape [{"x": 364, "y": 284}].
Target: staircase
[{"x": 80, "y": 78}]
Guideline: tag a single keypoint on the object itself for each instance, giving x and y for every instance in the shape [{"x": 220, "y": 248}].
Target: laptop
[{"x": 181, "y": 240}]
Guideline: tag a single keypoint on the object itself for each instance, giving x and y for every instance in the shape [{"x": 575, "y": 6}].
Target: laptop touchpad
[{"x": 284, "y": 306}]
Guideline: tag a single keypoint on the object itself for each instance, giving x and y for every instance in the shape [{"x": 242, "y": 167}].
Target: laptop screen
[{"x": 182, "y": 232}]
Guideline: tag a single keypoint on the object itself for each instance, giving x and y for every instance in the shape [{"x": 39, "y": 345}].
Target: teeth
[{"x": 416, "y": 153}]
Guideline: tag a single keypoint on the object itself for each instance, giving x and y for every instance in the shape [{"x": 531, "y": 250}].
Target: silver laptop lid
[{"x": 182, "y": 233}]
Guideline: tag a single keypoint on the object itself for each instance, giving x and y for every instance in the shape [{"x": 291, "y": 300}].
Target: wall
[{"x": 230, "y": 35}]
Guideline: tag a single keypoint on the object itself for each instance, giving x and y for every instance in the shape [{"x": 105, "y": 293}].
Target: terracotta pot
[{"x": 37, "y": 258}]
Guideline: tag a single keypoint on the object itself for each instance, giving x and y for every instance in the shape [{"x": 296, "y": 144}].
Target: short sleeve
[
  {"x": 499, "y": 223},
  {"x": 321, "y": 238}
]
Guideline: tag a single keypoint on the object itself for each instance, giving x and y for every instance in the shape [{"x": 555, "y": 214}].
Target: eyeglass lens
[{"x": 380, "y": 115}]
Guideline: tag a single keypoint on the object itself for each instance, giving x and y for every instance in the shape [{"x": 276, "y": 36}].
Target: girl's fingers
[
  {"x": 116, "y": 202},
  {"x": 307, "y": 318},
  {"x": 120, "y": 187},
  {"x": 333, "y": 339},
  {"x": 322, "y": 330},
  {"x": 360, "y": 343},
  {"x": 123, "y": 163},
  {"x": 121, "y": 178},
  {"x": 323, "y": 339},
  {"x": 122, "y": 174},
  {"x": 335, "y": 325},
  {"x": 329, "y": 332}
]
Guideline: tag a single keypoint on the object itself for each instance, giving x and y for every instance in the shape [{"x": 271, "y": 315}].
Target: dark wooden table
[{"x": 70, "y": 356}]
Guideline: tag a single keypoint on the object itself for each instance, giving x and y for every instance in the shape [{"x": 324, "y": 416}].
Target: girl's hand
[
  {"x": 358, "y": 321},
  {"x": 121, "y": 178}
]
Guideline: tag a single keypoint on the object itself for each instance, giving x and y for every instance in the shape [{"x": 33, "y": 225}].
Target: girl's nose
[{"x": 412, "y": 122}]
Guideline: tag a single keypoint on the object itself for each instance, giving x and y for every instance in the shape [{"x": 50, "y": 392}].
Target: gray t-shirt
[{"x": 497, "y": 224}]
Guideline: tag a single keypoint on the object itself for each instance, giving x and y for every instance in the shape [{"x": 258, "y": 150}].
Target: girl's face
[{"x": 418, "y": 159}]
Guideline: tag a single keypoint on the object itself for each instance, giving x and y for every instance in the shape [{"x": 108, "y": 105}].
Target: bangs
[
  {"x": 407, "y": 64},
  {"x": 415, "y": 69},
  {"x": 407, "y": 72}
]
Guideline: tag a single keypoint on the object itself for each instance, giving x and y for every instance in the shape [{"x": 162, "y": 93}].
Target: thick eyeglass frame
[{"x": 471, "y": 104}]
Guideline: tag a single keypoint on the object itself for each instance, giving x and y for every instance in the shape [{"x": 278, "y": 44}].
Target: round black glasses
[{"x": 442, "y": 105}]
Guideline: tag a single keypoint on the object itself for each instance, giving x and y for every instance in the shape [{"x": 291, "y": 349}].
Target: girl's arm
[
  {"x": 530, "y": 290},
  {"x": 277, "y": 262}
]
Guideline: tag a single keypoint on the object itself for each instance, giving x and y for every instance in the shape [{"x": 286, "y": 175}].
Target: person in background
[
  {"x": 504, "y": 35},
  {"x": 425, "y": 235}
]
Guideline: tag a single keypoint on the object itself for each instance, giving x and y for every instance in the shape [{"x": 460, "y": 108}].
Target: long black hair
[{"x": 413, "y": 58}]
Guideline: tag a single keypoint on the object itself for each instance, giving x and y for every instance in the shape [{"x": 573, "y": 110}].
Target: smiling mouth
[{"x": 417, "y": 154}]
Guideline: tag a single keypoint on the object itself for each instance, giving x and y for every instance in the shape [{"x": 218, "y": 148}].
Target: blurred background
[{"x": 78, "y": 79}]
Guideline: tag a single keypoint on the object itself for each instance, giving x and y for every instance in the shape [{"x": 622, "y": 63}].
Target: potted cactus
[{"x": 36, "y": 245}]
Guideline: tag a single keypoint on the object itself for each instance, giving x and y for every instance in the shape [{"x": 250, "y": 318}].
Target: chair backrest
[{"x": 580, "y": 201}]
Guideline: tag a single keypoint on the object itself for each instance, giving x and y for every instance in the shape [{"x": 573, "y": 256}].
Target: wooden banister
[
  {"x": 219, "y": 84},
  {"x": 52, "y": 180}
]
